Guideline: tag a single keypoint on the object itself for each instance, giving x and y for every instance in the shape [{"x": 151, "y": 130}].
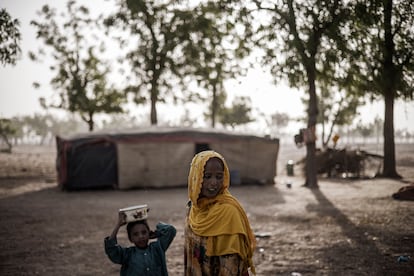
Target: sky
[{"x": 18, "y": 97}]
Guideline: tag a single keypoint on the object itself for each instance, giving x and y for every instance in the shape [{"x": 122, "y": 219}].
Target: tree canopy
[
  {"x": 382, "y": 47},
  {"x": 237, "y": 114},
  {"x": 176, "y": 43},
  {"x": 6, "y": 130},
  {"x": 303, "y": 50},
  {"x": 10, "y": 38},
  {"x": 81, "y": 77},
  {"x": 159, "y": 31}
]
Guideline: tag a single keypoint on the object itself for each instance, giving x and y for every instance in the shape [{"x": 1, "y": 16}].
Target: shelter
[{"x": 159, "y": 157}]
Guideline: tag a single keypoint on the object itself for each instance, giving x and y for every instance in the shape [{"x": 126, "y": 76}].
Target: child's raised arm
[
  {"x": 121, "y": 221},
  {"x": 165, "y": 234}
]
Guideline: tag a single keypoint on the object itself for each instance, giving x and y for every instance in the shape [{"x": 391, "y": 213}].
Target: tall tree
[
  {"x": 383, "y": 48},
  {"x": 10, "y": 38},
  {"x": 298, "y": 39},
  {"x": 81, "y": 78},
  {"x": 177, "y": 42},
  {"x": 218, "y": 49},
  {"x": 158, "y": 29}
]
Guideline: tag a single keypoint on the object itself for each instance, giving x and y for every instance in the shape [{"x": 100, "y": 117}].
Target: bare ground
[{"x": 346, "y": 227}]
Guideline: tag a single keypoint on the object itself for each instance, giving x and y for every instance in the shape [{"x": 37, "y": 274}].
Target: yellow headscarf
[{"x": 221, "y": 219}]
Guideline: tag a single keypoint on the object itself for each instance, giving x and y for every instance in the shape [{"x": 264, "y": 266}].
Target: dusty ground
[{"x": 344, "y": 228}]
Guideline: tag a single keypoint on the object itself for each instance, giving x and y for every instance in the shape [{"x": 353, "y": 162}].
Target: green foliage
[
  {"x": 216, "y": 50},
  {"x": 365, "y": 130},
  {"x": 280, "y": 120},
  {"x": 302, "y": 43},
  {"x": 237, "y": 114},
  {"x": 336, "y": 109},
  {"x": 10, "y": 38},
  {"x": 277, "y": 122},
  {"x": 6, "y": 127},
  {"x": 81, "y": 77},
  {"x": 383, "y": 44},
  {"x": 6, "y": 131},
  {"x": 307, "y": 39},
  {"x": 175, "y": 44},
  {"x": 382, "y": 47},
  {"x": 159, "y": 30},
  {"x": 39, "y": 128}
]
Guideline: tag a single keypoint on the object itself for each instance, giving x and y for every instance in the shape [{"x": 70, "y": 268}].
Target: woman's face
[{"x": 213, "y": 178}]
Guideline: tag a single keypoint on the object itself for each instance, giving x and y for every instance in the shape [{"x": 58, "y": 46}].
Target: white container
[{"x": 134, "y": 213}]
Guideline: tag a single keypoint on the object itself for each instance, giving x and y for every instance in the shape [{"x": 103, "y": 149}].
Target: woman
[{"x": 218, "y": 237}]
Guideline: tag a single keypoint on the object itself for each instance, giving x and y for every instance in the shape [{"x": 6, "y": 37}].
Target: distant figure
[
  {"x": 144, "y": 258},
  {"x": 218, "y": 237}
]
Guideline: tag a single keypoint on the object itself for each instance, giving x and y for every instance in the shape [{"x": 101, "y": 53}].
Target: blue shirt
[{"x": 150, "y": 261}]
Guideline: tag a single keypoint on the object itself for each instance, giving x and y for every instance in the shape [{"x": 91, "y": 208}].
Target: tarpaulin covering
[{"x": 158, "y": 157}]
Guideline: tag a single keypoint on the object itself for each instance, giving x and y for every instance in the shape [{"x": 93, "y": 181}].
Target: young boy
[{"x": 144, "y": 258}]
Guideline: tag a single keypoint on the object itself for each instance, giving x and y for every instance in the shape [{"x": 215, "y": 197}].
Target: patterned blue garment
[{"x": 146, "y": 262}]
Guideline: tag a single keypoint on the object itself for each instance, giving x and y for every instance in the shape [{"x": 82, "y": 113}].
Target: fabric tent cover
[{"x": 159, "y": 157}]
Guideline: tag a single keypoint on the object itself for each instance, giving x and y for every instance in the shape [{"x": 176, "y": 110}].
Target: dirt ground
[{"x": 346, "y": 227}]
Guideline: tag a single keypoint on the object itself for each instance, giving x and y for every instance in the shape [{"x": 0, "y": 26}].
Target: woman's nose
[{"x": 214, "y": 182}]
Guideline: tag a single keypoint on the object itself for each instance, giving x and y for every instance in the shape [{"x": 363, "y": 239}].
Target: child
[
  {"x": 218, "y": 236},
  {"x": 144, "y": 258}
]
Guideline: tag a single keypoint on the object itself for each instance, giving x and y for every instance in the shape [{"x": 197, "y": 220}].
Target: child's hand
[
  {"x": 121, "y": 219},
  {"x": 152, "y": 235}
]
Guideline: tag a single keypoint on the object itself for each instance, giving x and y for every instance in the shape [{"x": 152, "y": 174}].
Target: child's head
[{"x": 139, "y": 233}]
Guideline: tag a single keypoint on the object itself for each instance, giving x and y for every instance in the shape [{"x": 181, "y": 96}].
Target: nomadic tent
[{"x": 159, "y": 157}]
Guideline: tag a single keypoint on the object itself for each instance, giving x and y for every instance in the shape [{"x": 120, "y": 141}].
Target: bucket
[{"x": 134, "y": 213}]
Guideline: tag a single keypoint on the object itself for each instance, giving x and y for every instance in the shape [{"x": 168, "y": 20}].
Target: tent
[{"x": 158, "y": 157}]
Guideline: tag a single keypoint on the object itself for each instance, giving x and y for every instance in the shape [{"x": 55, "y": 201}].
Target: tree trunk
[
  {"x": 389, "y": 92},
  {"x": 311, "y": 175},
  {"x": 91, "y": 124},
  {"x": 214, "y": 106},
  {"x": 154, "y": 98},
  {"x": 389, "y": 168}
]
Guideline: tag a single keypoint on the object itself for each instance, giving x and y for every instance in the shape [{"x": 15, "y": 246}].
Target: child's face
[
  {"x": 140, "y": 235},
  {"x": 213, "y": 178}
]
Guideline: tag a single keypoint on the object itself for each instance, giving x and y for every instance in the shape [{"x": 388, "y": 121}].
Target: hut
[{"x": 157, "y": 157}]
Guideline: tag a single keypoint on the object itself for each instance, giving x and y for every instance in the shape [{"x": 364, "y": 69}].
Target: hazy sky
[{"x": 18, "y": 97}]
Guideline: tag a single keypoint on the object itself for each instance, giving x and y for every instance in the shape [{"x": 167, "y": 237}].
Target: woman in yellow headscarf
[{"x": 218, "y": 237}]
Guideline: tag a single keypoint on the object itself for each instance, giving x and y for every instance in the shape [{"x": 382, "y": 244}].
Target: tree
[
  {"x": 237, "y": 114},
  {"x": 217, "y": 47},
  {"x": 158, "y": 29},
  {"x": 216, "y": 99},
  {"x": 365, "y": 130},
  {"x": 177, "y": 43},
  {"x": 80, "y": 75},
  {"x": 336, "y": 108},
  {"x": 301, "y": 42},
  {"x": 10, "y": 38},
  {"x": 378, "y": 128},
  {"x": 7, "y": 130},
  {"x": 277, "y": 122},
  {"x": 382, "y": 53}
]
